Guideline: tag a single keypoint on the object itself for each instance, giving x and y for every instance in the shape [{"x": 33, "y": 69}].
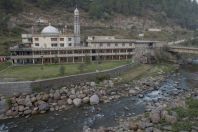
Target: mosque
[{"x": 53, "y": 46}]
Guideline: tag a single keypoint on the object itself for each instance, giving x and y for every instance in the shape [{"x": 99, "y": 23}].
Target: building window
[
  {"x": 70, "y": 44},
  {"x": 61, "y": 45},
  {"x": 116, "y": 45},
  {"x": 108, "y": 45},
  {"x": 123, "y": 45},
  {"x": 36, "y": 44},
  {"x": 54, "y": 45},
  {"x": 69, "y": 39},
  {"x": 36, "y": 39},
  {"x": 130, "y": 44},
  {"x": 101, "y": 45},
  {"x": 54, "y": 39},
  {"x": 61, "y": 39}
]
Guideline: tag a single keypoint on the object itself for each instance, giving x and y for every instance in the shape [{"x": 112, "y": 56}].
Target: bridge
[
  {"x": 178, "y": 49},
  {"x": 174, "y": 47}
]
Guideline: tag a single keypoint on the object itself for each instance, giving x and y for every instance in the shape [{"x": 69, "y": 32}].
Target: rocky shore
[
  {"x": 26, "y": 105},
  {"x": 175, "y": 113}
]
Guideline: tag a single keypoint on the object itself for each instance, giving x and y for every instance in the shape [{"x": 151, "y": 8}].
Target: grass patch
[
  {"x": 4, "y": 65},
  {"x": 35, "y": 72},
  {"x": 191, "y": 112},
  {"x": 135, "y": 72}
]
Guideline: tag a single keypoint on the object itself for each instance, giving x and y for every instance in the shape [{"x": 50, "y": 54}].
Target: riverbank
[
  {"x": 175, "y": 113},
  {"x": 25, "y": 105}
]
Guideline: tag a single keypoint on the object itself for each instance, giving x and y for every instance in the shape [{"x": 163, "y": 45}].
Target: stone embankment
[{"x": 91, "y": 93}]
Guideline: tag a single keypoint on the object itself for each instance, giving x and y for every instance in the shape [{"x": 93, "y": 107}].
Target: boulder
[
  {"x": 131, "y": 91},
  {"x": 94, "y": 100},
  {"x": 86, "y": 100},
  {"x": 77, "y": 102},
  {"x": 92, "y": 84},
  {"x": 170, "y": 119},
  {"x": 27, "y": 112},
  {"x": 57, "y": 96},
  {"x": 43, "y": 106},
  {"x": 21, "y": 108},
  {"x": 155, "y": 116},
  {"x": 45, "y": 97},
  {"x": 133, "y": 126},
  {"x": 69, "y": 101},
  {"x": 61, "y": 102}
]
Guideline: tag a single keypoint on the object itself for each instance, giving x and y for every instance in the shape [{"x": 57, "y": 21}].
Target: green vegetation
[
  {"x": 146, "y": 70},
  {"x": 4, "y": 65},
  {"x": 190, "y": 113},
  {"x": 34, "y": 72}
]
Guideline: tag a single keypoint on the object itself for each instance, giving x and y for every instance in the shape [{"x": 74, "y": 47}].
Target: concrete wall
[{"x": 9, "y": 88}]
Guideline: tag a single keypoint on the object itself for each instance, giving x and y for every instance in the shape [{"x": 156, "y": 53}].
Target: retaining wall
[{"x": 9, "y": 88}]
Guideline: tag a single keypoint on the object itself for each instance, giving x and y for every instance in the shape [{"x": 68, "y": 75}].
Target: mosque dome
[{"x": 50, "y": 30}]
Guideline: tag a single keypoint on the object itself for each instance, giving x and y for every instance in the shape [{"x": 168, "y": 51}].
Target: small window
[
  {"x": 61, "y": 45},
  {"x": 101, "y": 45},
  {"x": 36, "y": 39},
  {"x": 61, "y": 39},
  {"x": 108, "y": 45},
  {"x": 54, "y": 45},
  {"x": 69, "y": 39},
  {"x": 36, "y": 44},
  {"x": 130, "y": 44},
  {"x": 54, "y": 39},
  {"x": 116, "y": 45},
  {"x": 70, "y": 44}
]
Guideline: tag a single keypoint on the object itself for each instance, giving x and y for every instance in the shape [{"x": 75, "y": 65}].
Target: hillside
[{"x": 122, "y": 18}]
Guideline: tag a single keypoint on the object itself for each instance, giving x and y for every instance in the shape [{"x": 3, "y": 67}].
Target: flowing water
[{"x": 74, "y": 119}]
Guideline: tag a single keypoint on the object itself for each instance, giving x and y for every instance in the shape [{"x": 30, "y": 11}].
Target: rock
[
  {"x": 131, "y": 91},
  {"x": 94, "y": 100},
  {"x": 21, "y": 108},
  {"x": 170, "y": 119},
  {"x": 69, "y": 101},
  {"x": 77, "y": 102},
  {"x": 61, "y": 102},
  {"x": 43, "y": 106},
  {"x": 92, "y": 84},
  {"x": 141, "y": 96},
  {"x": 45, "y": 97},
  {"x": 27, "y": 112},
  {"x": 155, "y": 116},
  {"x": 133, "y": 126},
  {"x": 86, "y": 100},
  {"x": 33, "y": 99},
  {"x": 52, "y": 109},
  {"x": 57, "y": 95},
  {"x": 164, "y": 113},
  {"x": 21, "y": 101}
]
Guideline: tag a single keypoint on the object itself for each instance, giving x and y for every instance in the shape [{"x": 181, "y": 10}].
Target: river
[{"x": 74, "y": 119}]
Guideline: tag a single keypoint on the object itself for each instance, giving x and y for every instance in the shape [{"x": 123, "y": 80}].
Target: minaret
[{"x": 76, "y": 28}]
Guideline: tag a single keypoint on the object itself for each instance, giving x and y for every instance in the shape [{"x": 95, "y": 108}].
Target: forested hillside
[
  {"x": 99, "y": 17},
  {"x": 184, "y": 12}
]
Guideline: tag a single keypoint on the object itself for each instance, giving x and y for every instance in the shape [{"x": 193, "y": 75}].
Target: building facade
[{"x": 53, "y": 46}]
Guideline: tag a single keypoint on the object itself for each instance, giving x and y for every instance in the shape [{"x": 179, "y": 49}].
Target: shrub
[{"x": 62, "y": 70}]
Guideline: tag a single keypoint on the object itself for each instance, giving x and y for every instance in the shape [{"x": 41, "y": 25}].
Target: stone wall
[{"x": 9, "y": 88}]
